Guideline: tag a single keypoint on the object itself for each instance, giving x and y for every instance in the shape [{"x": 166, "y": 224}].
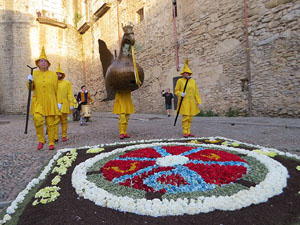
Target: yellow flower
[
  {"x": 195, "y": 142},
  {"x": 225, "y": 143},
  {"x": 60, "y": 170},
  {"x": 44, "y": 201},
  {"x": 270, "y": 154},
  {"x": 35, "y": 202},
  {"x": 54, "y": 196},
  {"x": 212, "y": 141},
  {"x": 298, "y": 168},
  {"x": 95, "y": 150},
  {"x": 235, "y": 144},
  {"x": 56, "y": 180}
]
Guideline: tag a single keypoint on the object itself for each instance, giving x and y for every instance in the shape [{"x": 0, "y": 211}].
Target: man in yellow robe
[
  {"x": 124, "y": 107},
  {"x": 44, "y": 104},
  {"x": 65, "y": 94},
  {"x": 191, "y": 99}
]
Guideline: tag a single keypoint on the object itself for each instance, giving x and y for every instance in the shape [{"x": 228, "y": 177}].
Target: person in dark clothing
[
  {"x": 169, "y": 98},
  {"x": 83, "y": 98}
]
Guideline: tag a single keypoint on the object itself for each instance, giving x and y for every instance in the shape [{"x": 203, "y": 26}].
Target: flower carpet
[{"x": 210, "y": 180}]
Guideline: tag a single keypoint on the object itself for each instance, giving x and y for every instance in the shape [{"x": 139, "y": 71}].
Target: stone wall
[
  {"x": 15, "y": 54},
  {"x": 211, "y": 35},
  {"x": 274, "y": 28}
]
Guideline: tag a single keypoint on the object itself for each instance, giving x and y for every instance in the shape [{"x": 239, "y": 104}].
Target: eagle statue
[{"x": 122, "y": 73}]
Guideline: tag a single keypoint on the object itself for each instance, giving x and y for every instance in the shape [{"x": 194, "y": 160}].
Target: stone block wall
[
  {"x": 211, "y": 35},
  {"x": 15, "y": 54},
  {"x": 274, "y": 29}
]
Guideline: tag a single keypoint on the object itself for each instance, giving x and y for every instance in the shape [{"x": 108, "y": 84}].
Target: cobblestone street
[{"x": 20, "y": 161}]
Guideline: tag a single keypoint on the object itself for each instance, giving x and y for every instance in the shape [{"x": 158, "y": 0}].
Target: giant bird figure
[{"x": 122, "y": 73}]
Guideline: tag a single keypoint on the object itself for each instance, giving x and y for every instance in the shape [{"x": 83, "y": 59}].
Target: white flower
[
  {"x": 10, "y": 210},
  {"x": 6, "y": 218},
  {"x": 172, "y": 160}
]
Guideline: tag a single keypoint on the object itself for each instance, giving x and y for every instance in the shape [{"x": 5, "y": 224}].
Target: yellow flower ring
[{"x": 175, "y": 170}]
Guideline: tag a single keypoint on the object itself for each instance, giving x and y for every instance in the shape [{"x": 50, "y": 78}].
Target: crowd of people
[{"x": 53, "y": 100}]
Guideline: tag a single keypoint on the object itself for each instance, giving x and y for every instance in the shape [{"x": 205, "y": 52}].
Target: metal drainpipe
[
  {"x": 83, "y": 62},
  {"x": 248, "y": 62},
  {"x": 118, "y": 18},
  {"x": 175, "y": 36}
]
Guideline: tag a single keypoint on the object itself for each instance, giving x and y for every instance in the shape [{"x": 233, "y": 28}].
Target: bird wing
[{"x": 106, "y": 57}]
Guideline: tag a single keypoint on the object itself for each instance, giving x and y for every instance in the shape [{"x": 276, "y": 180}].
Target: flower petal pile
[
  {"x": 207, "y": 167},
  {"x": 172, "y": 169}
]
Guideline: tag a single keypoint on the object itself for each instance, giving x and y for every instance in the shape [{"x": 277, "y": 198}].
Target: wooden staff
[
  {"x": 187, "y": 80},
  {"x": 29, "y": 97}
]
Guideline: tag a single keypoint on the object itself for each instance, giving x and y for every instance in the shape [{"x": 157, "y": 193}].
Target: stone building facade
[{"x": 212, "y": 35}]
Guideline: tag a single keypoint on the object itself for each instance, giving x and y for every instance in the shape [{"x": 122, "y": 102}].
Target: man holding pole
[
  {"x": 189, "y": 98},
  {"x": 44, "y": 104}
]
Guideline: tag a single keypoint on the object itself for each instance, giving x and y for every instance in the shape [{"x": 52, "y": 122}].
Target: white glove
[
  {"x": 30, "y": 77},
  {"x": 182, "y": 94},
  {"x": 71, "y": 107},
  {"x": 59, "y": 105}
]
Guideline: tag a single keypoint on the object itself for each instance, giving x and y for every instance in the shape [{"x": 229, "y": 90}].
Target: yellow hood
[
  {"x": 186, "y": 68},
  {"x": 42, "y": 56},
  {"x": 60, "y": 71}
]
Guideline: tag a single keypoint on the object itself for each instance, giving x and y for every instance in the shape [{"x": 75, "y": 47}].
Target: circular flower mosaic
[
  {"x": 177, "y": 169},
  {"x": 173, "y": 169}
]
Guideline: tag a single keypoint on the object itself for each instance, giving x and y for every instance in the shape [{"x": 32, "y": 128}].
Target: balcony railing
[{"x": 49, "y": 18}]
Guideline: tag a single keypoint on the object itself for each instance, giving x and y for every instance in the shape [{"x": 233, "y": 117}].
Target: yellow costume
[
  {"x": 191, "y": 100},
  {"x": 75, "y": 103},
  {"x": 124, "y": 107},
  {"x": 65, "y": 94},
  {"x": 44, "y": 102}
]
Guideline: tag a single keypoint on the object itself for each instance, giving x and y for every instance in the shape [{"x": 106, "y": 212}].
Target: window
[{"x": 140, "y": 15}]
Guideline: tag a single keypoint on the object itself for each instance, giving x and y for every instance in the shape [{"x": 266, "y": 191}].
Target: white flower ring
[{"x": 273, "y": 184}]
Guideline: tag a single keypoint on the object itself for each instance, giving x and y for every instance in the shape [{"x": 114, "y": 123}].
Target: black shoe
[
  {"x": 56, "y": 140},
  {"x": 169, "y": 115}
]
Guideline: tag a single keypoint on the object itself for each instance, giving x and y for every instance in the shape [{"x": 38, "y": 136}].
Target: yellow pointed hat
[
  {"x": 58, "y": 70},
  {"x": 186, "y": 68},
  {"x": 42, "y": 56}
]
